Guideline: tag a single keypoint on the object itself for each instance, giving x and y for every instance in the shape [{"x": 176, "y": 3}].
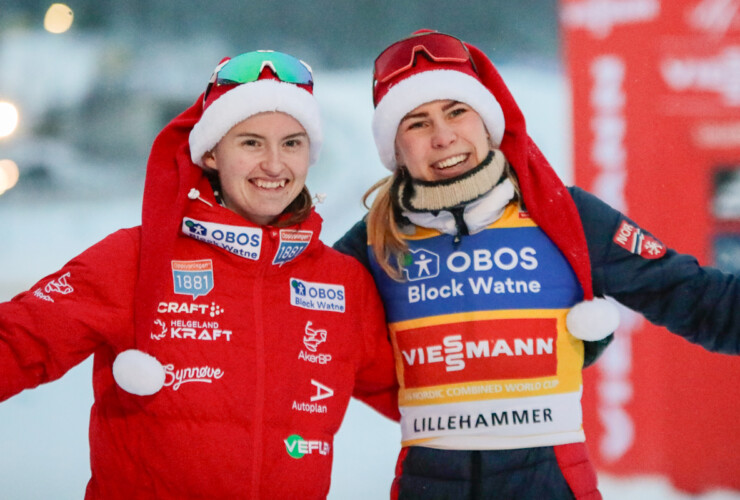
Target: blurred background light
[
  {"x": 58, "y": 18},
  {"x": 8, "y": 175},
  {"x": 8, "y": 118}
]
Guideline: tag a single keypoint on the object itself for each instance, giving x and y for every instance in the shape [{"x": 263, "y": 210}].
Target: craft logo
[
  {"x": 312, "y": 338},
  {"x": 317, "y": 296},
  {"x": 190, "y": 308},
  {"x": 719, "y": 74},
  {"x": 192, "y": 277},
  {"x": 634, "y": 240},
  {"x": 297, "y": 447},
  {"x": 204, "y": 374},
  {"x": 481, "y": 350},
  {"x": 600, "y": 17},
  {"x": 245, "y": 242},
  {"x": 420, "y": 264},
  {"x": 292, "y": 244},
  {"x": 58, "y": 285}
]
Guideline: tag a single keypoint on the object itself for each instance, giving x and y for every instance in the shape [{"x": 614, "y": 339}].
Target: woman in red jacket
[{"x": 227, "y": 338}]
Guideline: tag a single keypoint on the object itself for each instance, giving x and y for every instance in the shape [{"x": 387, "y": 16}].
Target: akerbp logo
[
  {"x": 313, "y": 337},
  {"x": 317, "y": 296},
  {"x": 297, "y": 447},
  {"x": 421, "y": 264}
]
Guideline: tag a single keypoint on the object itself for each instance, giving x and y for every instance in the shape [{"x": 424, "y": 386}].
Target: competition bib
[{"x": 479, "y": 335}]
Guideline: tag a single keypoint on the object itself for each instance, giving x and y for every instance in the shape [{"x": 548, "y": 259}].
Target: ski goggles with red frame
[
  {"x": 401, "y": 56},
  {"x": 248, "y": 67}
]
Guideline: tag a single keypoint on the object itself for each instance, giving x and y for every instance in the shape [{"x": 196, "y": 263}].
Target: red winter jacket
[
  {"x": 261, "y": 358},
  {"x": 264, "y": 335}
]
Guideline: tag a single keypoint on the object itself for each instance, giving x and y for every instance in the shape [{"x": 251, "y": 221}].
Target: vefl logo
[
  {"x": 192, "y": 277},
  {"x": 297, "y": 447},
  {"x": 421, "y": 264}
]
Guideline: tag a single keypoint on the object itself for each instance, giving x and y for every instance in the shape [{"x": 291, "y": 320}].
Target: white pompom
[
  {"x": 138, "y": 372},
  {"x": 592, "y": 319}
]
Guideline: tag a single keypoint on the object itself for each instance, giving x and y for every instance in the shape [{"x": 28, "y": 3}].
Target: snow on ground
[{"x": 43, "y": 432}]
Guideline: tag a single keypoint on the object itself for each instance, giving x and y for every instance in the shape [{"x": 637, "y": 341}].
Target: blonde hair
[{"x": 383, "y": 232}]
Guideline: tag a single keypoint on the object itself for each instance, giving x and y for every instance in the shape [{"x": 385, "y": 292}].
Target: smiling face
[
  {"x": 441, "y": 140},
  {"x": 262, "y": 164}
]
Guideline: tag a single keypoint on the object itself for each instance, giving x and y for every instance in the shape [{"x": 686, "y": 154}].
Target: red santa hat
[
  {"x": 418, "y": 70},
  {"x": 226, "y": 104}
]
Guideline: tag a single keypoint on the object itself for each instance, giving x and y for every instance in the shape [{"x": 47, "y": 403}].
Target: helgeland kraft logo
[{"x": 297, "y": 447}]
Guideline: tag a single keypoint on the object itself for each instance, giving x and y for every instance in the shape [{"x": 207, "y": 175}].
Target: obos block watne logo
[
  {"x": 292, "y": 243},
  {"x": 192, "y": 277},
  {"x": 317, "y": 296},
  {"x": 421, "y": 264}
]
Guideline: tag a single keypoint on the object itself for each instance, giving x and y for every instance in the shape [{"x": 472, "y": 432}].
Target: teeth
[
  {"x": 269, "y": 184},
  {"x": 449, "y": 162}
]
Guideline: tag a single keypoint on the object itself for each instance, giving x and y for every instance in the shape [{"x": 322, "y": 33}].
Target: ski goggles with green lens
[{"x": 247, "y": 67}]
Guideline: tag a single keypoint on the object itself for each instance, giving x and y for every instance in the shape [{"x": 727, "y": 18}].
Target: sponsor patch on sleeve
[
  {"x": 317, "y": 296},
  {"x": 292, "y": 244},
  {"x": 635, "y": 240}
]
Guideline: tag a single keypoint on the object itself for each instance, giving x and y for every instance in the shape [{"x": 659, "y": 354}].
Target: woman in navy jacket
[{"x": 491, "y": 273}]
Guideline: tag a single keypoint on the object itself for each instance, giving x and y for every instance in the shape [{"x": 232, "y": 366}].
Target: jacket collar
[{"x": 477, "y": 214}]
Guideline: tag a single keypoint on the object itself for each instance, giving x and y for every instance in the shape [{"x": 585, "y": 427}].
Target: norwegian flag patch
[{"x": 635, "y": 240}]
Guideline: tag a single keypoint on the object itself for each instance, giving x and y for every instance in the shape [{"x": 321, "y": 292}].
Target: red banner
[{"x": 656, "y": 134}]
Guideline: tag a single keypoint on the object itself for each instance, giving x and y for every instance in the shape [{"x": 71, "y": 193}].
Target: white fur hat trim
[
  {"x": 592, "y": 320},
  {"x": 248, "y": 99},
  {"x": 426, "y": 87},
  {"x": 138, "y": 372}
]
